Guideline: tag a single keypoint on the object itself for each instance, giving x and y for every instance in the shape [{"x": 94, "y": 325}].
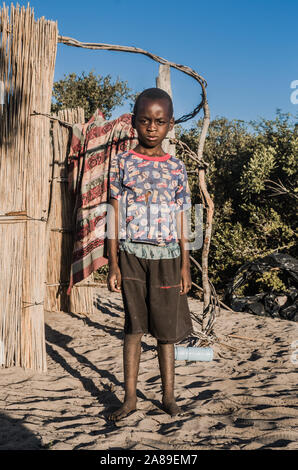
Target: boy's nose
[{"x": 151, "y": 126}]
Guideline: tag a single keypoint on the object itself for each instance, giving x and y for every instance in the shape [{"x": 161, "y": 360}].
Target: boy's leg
[
  {"x": 131, "y": 362},
  {"x": 166, "y": 359},
  {"x": 134, "y": 292}
]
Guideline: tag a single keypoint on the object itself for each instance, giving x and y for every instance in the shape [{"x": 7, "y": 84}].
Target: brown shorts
[{"x": 151, "y": 298}]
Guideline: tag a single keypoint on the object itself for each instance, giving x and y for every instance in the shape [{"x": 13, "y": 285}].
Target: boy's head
[
  {"x": 153, "y": 116},
  {"x": 154, "y": 94}
]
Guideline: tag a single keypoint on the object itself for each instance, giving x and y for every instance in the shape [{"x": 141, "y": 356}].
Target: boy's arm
[
  {"x": 114, "y": 276},
  {"x": 183, "y": 199},
  {"x": 185, "y": 262}
]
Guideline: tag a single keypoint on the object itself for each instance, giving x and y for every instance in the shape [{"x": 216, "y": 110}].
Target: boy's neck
[{"x": 150, "y": 151}]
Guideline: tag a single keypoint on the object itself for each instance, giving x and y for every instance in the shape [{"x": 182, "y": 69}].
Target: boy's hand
[
  {"x": 114, "y": 279},
  {"x": 185, "y": 280}
]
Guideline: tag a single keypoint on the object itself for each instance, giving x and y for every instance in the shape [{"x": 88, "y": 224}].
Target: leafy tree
[
  {"x": 252, "y": 179},
  {"x": 89, "y": 92}
]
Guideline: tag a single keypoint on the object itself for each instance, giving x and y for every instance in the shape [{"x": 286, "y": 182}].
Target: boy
[{"x": 153, "y": 270}]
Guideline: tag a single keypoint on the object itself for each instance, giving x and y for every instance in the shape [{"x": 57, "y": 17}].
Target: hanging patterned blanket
[{"x": 93, "y": 144}]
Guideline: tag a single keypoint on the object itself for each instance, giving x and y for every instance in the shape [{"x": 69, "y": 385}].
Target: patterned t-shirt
[{"x": 150, "y": 190}]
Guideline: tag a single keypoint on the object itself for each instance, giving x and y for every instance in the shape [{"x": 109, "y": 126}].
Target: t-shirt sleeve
[
  {"x": 183, "y": 196},
  {"x": 116, "y": 177}
]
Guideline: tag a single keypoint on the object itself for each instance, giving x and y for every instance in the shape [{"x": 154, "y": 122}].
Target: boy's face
[{"x": 152, "y": 122}]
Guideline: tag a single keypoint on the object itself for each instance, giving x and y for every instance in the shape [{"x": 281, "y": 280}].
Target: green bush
[{"x": 252, "y": 179}]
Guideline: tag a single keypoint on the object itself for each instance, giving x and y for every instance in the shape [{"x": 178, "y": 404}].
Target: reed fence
[{"x": 27, "y": 61}]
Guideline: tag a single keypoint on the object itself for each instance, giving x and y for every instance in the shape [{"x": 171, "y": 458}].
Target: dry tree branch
[
  {"x": 188, "y": 152},
  {"x": 279, "y": 189},
  {"x": 136, "y": 50},
  {"x": 214, "y": 302},
  {"x": 220, "y": 302},
  {"x": 52, "y": 118}
]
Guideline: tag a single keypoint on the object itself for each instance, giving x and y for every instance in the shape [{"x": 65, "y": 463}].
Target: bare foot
[
  {"x": 127, "y": 407},
  {"x": 170, "y": 406}
]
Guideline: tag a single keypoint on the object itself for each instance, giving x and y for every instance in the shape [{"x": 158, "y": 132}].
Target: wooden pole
[{"x": 163, "y": 81}]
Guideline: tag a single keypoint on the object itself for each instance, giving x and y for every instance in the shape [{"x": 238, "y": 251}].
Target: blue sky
[{"x": 246, "y": 50}]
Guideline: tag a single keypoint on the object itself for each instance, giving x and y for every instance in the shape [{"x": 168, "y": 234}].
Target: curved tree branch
[{"x": 136, "y": 50}]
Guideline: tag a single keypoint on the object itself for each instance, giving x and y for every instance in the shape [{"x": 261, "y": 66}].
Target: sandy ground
[{"x": 243, "y": 399}]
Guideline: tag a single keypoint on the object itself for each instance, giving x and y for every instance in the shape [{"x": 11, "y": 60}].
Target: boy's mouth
[{"x": 150, "y": 137}]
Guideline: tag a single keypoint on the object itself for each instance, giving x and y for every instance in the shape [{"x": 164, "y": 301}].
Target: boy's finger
[
  {"x": 118, "y": 280},
  {"x": 116, "y": 286},
  {"x": 111, "y": 285},
  {"x": 182, "y": 288}
]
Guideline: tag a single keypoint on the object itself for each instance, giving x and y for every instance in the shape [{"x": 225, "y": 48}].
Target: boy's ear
[{"x": 172, "y": 122}]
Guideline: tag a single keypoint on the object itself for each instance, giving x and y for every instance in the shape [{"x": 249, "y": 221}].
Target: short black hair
[{"x": 154, "y": 94}]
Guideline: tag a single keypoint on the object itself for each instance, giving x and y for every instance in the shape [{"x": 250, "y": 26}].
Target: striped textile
[{"x": 92, "y": 146}]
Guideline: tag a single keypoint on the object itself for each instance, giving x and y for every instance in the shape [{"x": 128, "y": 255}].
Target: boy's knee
[
  {"x": 134, "y": 336},
  {"x": 165, "y": 344}
]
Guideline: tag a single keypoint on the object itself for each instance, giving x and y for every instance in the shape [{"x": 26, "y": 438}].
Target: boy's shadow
[
  {"x": 16, "y": 436},
  {"x": 106, "y": 395},
  {"x": 105, "y": 307}
]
